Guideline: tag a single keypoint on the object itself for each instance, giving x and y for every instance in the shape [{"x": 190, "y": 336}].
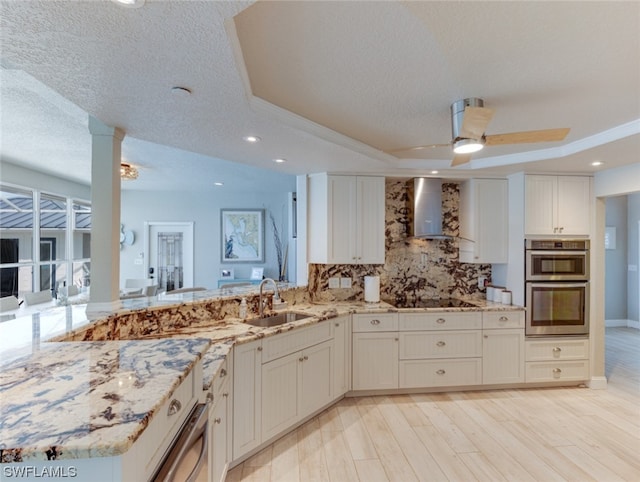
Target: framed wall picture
[
  {"x": 242, "y": 235},
  {"x": 226, "y": 273}
]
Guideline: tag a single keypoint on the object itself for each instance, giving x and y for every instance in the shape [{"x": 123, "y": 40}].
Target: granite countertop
[{"x": 90, "y": 399}]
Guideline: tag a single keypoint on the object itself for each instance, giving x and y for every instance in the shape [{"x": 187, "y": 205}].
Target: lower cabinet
[
  {"x": 219, "y": 423},
  {"x": 503, "y": 347},
  {"x": 440, "y": 372},
  {"x": 247, "y": 387},
  {"x": 375, "y": 361},
  {"x": 557, "y": 359},
  {"x": 341, "y": 355},
  {"x": 294, "y": 386}
]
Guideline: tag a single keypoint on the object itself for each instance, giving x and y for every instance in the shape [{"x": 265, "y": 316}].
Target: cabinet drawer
[
  {"x": 166, "y": 422},
  {"x": 502, "y": 319},
  {"x": 556, "y": 371},
  {"x": 373, "y": 323},
  {"x": 556, "y": 349},
  {"x": 291, "y": 341},
  {"x": 440, "y": 344},
  {"x": 441, "y": 321},
  {"x": 440, "y": 373}
]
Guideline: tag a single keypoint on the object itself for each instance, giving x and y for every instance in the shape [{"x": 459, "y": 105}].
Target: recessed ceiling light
[
  {"x": 597, "y": 163},
  {"x": 434, "y": 172},
  {"x": 180, "y": 91},
  {"x": 130, "y": 3},
  {"x": 218, "y": 183},
  {"x": 279, "y": 161},
  {"x": 251, "y": 138}
]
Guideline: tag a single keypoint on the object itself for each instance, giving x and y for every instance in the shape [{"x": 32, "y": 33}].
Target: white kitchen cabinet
[
  {"x": 503, "y": 358},
  {"x": 375, "y": 360},
  {"x": 557, "y": 205},
  {"x": 346, "y": 219},
  {"x": 556, "y": 359},
  {"x": 341, "y": 355},
  {"x": 295, "y": 386},
  {"x": 219, "y": 422},
  {"x": 247, "y": 388},
  {"x": 484, "y": 220}
]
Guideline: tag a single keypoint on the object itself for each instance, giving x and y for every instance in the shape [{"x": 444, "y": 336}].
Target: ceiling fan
[{"x": 469, "y": 119}]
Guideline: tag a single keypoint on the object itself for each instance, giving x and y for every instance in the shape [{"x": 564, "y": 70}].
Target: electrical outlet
[
  {"x": 345, "y": 282},
  {"x": 334, "y": 283}
]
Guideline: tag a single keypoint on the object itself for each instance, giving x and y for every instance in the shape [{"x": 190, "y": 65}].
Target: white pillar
[{"x": 105, "y": 216}]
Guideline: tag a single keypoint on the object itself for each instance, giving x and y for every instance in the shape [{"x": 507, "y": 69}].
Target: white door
[{"x": 169, "y": 254}]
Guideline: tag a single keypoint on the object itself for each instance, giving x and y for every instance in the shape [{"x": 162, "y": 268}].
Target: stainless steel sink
[{"x": 278, "y": 319}]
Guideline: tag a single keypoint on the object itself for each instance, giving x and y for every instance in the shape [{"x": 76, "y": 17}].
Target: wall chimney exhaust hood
[{"x": 425, "y": 208}]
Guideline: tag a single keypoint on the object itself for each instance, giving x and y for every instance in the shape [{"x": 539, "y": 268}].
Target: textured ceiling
[{"x": 326, "y": 85}]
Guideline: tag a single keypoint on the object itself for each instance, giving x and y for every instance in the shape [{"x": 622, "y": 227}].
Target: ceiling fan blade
[
  {"x": 475, "y": 122},
  {"x": 459, "y": 159},
  {"x": 526, "y": 137},
  {"x": 417, "y": 148}
]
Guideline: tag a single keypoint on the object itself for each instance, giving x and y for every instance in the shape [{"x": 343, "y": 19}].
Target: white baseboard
[
  {"x": 598, "y": 383},
  {"x": 625, "y": 323},
  {"x": 633, "y": 324}
]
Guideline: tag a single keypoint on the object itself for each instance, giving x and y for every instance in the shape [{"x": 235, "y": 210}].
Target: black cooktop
[{"x": 430, "y": 303}]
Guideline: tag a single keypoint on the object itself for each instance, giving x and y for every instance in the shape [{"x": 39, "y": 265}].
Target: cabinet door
[
  {"x": 574, "y": 201},
  {"x": 370, "y": 215},
  {"x": 503, "y": 356},
  {"x": 540, "y": 205},
  {"x": 218, "y": 456},
  {"x": 247, "y": 388},
  {"x": 341, "y": 356},
  {"x": 280, "y": 394},
  {"x": 375, "y": 361},
  {"x": 315, "y": 388},
  {"x": 342, "y": 219}
]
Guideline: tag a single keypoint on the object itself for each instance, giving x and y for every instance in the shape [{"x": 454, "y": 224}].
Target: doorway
[{"x": 169, "y": 254}]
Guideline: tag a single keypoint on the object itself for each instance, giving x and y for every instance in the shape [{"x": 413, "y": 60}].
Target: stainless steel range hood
[{"x": 425, "y": 208}]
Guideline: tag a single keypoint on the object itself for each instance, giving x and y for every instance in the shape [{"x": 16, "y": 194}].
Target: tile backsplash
[{"x": 425, "y": 268}]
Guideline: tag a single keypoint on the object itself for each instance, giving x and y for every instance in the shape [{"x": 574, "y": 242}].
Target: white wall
[
  {"x": 202, "y": 208},
  {"x": 633, "y": 257},
  {"x": 615, "y": 297},
  {"x": 21, "y": 176}
]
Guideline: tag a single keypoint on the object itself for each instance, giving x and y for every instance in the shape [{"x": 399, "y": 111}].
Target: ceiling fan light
[
  {"x": 467, "y": 146},
  {"x": 128, "y": 172}
]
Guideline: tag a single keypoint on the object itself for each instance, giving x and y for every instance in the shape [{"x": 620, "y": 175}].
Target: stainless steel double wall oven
[{"x": 557, "y": 287}]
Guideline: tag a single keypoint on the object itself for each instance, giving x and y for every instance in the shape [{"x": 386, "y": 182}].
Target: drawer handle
[
  {"x": 225, "y": 394},
  {"x": 174, "y": 407},
  {"x": 557, "y": 371},
  {"x": 375, "y": 322},
  {"x": 223, "y": 373},
  {"x": 557, "y": 349},
  {"x": 210, "y": 397},
  {"x": 300, "y": 359},
  {"x": 259, "y": 348},
  {"x": 441, "y": 320},
  {"x": 337, "y": 324},
  {"x": 503, "y": 318},
  {"x": 217, "y": 420},
  {"x": 441, "y": 372},
  {"x": 306, "y": 358},
  {"x": 441, "y": 343}
]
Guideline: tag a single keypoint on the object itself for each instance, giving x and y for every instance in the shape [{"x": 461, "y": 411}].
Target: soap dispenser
[{"x": 243, "y": 308}]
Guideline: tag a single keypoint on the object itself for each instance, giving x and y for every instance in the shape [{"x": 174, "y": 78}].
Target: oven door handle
[
  {"x": 197, "y": 420},
  {"x": 558, "y": 284},
  {"x": 557, "y": 253}
]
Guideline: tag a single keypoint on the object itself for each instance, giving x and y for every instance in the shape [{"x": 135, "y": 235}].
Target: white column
[{"x": 105, "y": 216}]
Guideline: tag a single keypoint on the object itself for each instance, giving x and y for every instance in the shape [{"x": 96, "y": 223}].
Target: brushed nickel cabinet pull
[
  {"x": 441, "y": 343},
  {"x": 441, "y": 372},
  {"x": 174, "y": 407},
  {"x": 441, "y": 320},
  {"x": 375, "y": 322},
  {"x": 503, "y": 318}
]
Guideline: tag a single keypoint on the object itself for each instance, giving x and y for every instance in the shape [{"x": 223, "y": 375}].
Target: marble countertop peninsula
[
  {"x": 93, "y": 396},
  {"x": 92, "y": 399}
]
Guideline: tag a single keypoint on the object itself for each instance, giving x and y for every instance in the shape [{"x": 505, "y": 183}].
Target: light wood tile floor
[{"x": 574, "y": 434}]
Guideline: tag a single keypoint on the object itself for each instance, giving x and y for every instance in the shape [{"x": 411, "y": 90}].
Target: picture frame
[
  {"x": 257, "y": 273},
  {"x": 226, "y": 273},
  {"x": 242, "y": 235}
]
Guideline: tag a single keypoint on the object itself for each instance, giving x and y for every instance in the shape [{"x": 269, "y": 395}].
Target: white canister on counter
[
  {"x": 506, "y": 297},
  {"x": 490, "y": 290},
  {"x": 497, "y": 294}
]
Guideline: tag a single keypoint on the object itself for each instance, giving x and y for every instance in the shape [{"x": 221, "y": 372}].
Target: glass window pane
[
  {"x": 53, "y": 227},
  {"x": 52, "y": 277},
  {"x": 16, "y": 225},
  {"x": 82, "y": 274},
  {"x": 81, "y": 230}
]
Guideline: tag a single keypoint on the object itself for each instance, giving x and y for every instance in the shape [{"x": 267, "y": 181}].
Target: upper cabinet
[
  {"x": 484, "y": 219},
  {"x": 346, "y": 219},
  {"x": 557, "y": 205}
]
